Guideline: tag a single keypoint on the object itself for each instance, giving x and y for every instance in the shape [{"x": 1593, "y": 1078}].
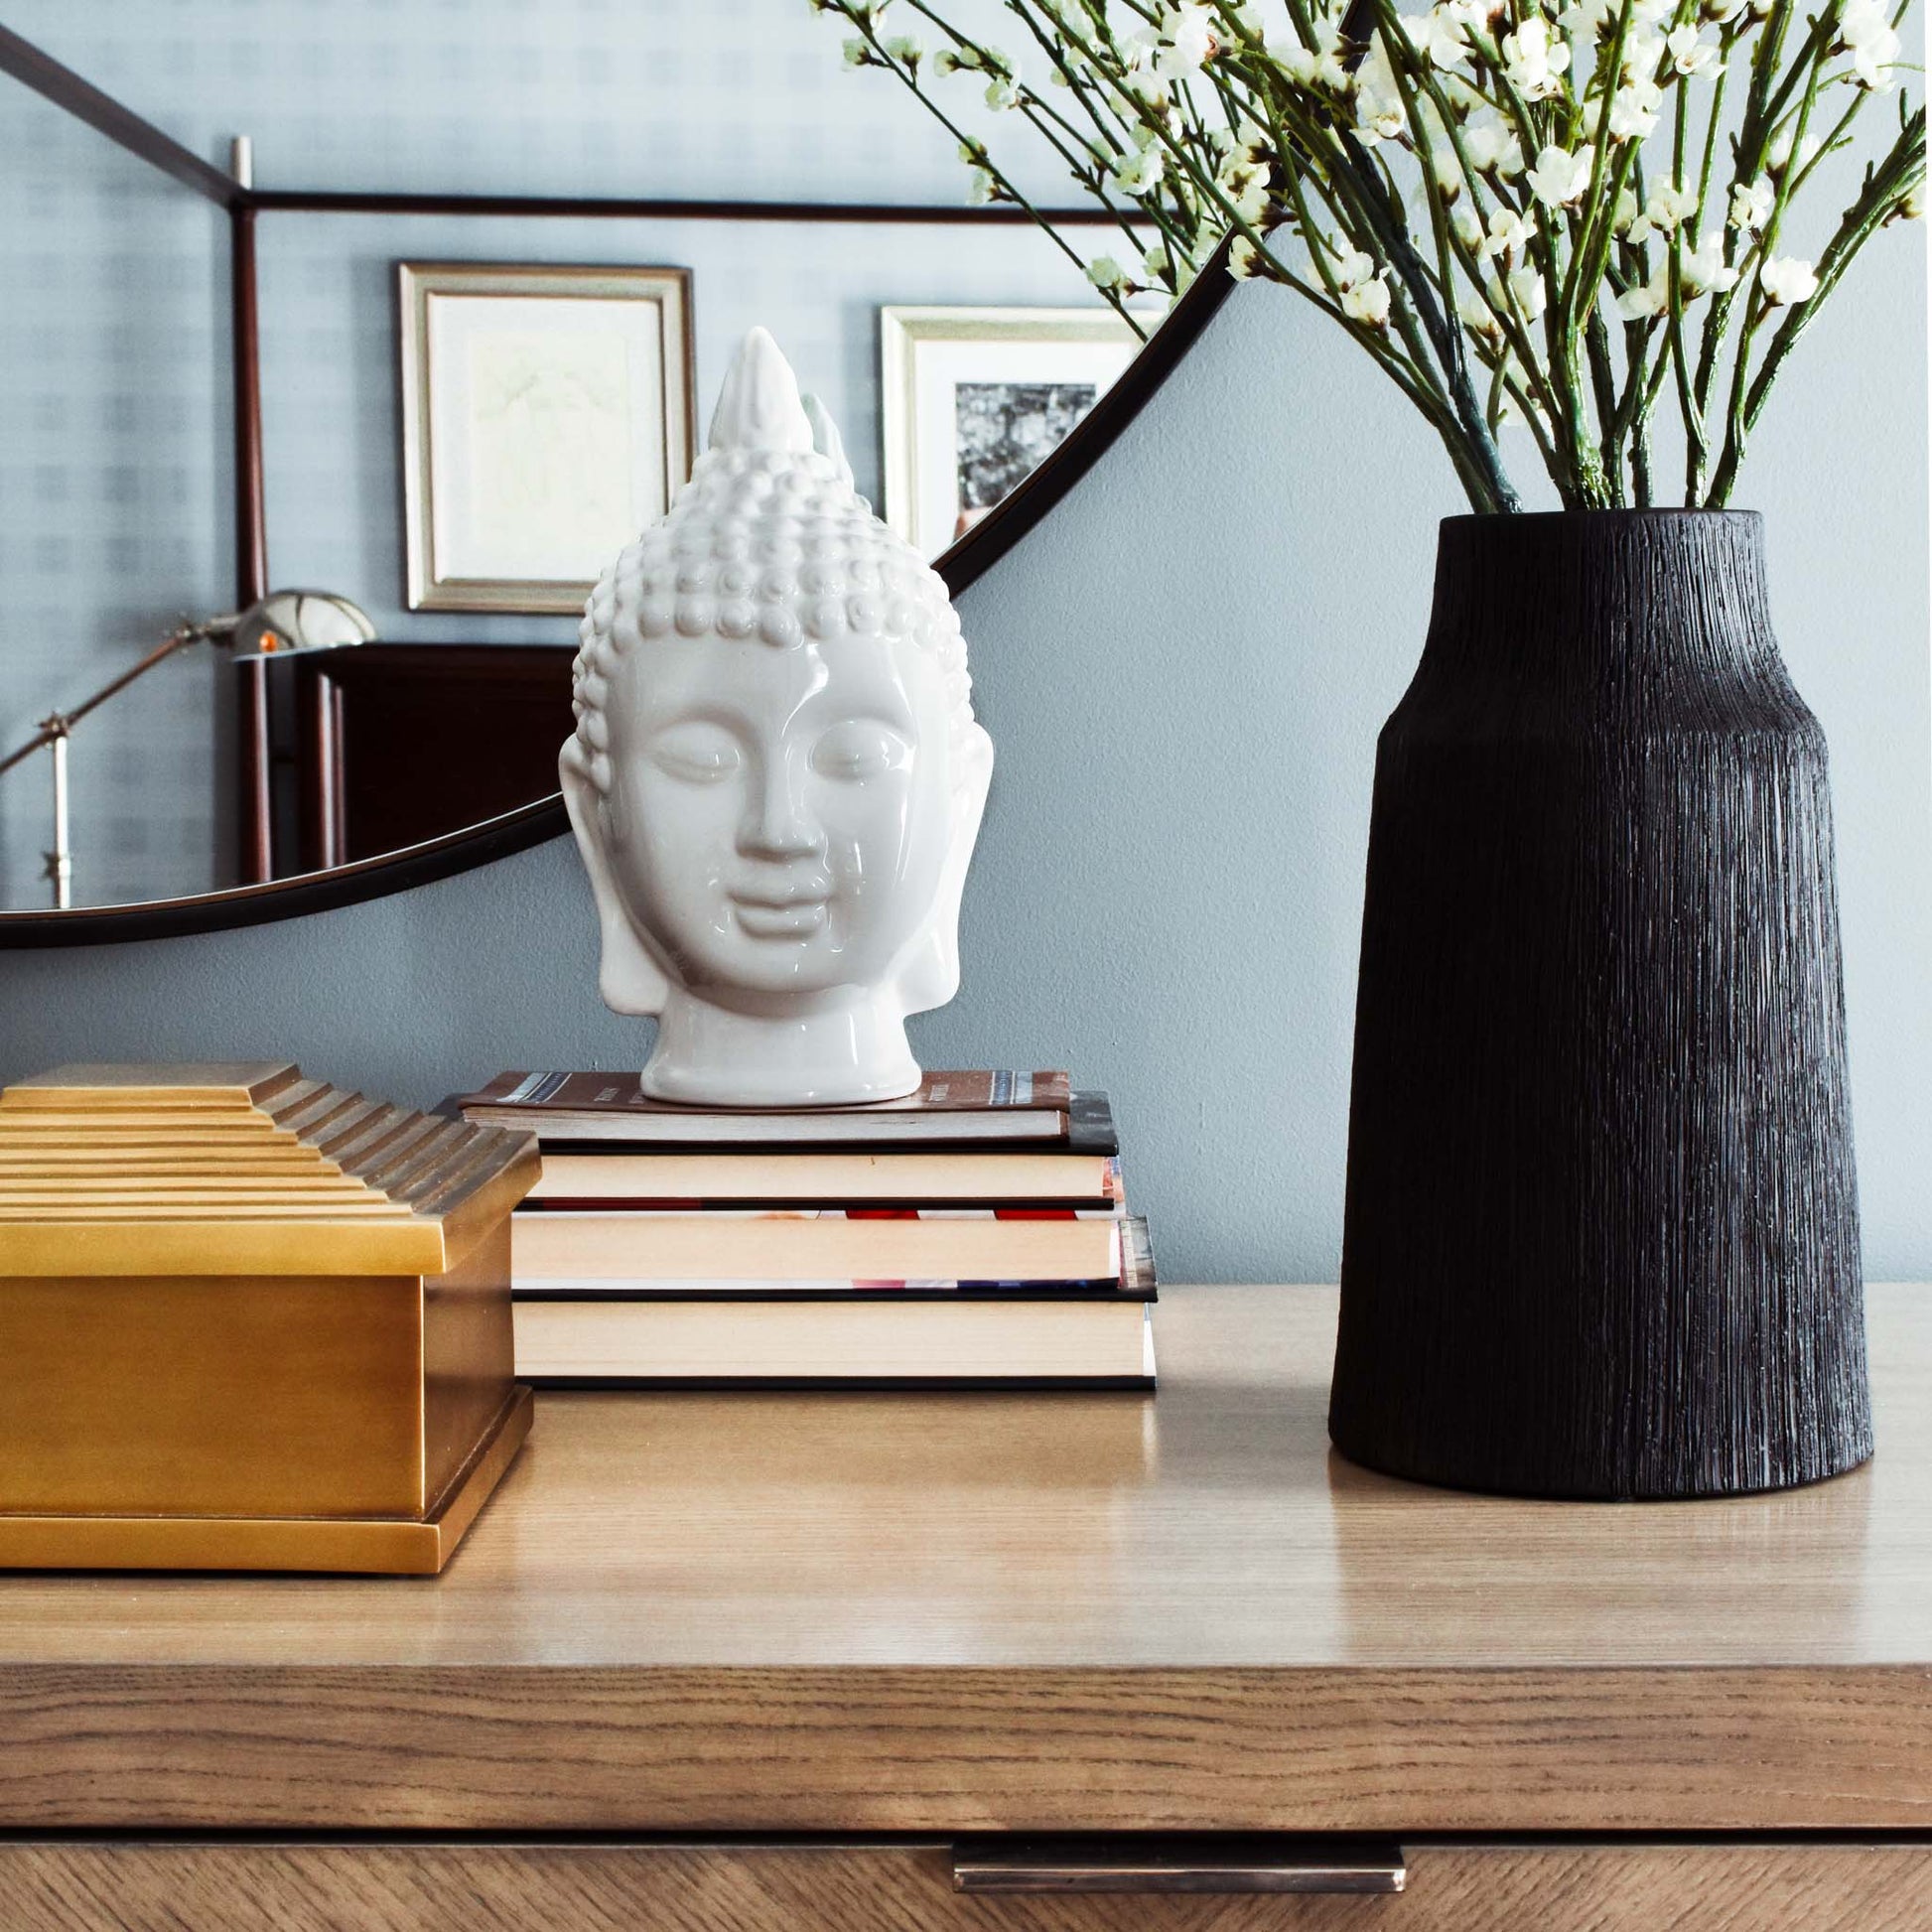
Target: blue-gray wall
[{"x": 1184, "y": 670}]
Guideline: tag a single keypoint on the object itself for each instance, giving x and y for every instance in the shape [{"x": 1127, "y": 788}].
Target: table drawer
[{"x": 457, "y": 1887}]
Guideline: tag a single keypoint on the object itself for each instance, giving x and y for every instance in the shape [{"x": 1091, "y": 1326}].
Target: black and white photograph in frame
[
  {"x": 547, "y": 417},
  {"x": 974, "y": 400}
]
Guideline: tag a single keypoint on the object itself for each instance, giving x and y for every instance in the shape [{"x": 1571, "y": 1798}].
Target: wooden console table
[{"x": 764, "y": 1661}]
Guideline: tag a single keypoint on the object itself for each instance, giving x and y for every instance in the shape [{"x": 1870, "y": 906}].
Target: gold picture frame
[
  {"x": 927, "y": 355},
  {"x": 548, "y": 415}
]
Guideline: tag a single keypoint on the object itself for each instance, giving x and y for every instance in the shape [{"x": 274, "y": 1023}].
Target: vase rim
[{"x": 1661, "y": 515}]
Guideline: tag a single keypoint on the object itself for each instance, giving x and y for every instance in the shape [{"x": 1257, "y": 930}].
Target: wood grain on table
[{"x": 849, "y": 1612}]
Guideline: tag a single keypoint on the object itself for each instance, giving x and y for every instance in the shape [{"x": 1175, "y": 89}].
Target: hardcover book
[
  {"x": 608, "y": 1111},
  {"x": 803, "y": 1179},
  {"x": 850, "y": 1341},
  {"x": 1069, "y": 1245}
]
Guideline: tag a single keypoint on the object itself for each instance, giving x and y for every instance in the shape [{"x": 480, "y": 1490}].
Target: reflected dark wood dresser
[
  {"x": 794, "y": 1661},
  {"x": 366, "y": 749}
]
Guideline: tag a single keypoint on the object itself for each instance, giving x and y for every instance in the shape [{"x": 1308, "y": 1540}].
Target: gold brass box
[{"x": 249, "y": 1322}]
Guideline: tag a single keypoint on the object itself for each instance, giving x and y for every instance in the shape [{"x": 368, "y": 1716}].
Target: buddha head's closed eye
[{"x": 776, "y": 777}]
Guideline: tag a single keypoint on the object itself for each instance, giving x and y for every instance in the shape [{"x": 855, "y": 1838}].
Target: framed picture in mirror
[
  {"x": 547, "y": 418},
  {"x": 974, "y": 400}
]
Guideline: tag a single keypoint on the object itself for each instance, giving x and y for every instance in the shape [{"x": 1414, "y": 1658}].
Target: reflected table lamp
[{"x": 282, "y": 621}]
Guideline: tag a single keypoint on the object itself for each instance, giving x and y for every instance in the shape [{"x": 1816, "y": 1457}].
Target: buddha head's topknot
[{"x": 767, "y": 542}]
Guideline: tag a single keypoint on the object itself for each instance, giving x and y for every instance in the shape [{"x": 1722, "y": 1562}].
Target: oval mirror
[{"x": 308, "y": 481}]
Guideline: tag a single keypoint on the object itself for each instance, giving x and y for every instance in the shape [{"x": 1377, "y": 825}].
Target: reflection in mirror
[
  {"x": 443, "y": 508},
  {"x": 284, "y": 621}
]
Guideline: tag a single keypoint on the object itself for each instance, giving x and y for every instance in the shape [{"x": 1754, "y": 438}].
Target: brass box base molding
[{"x": 372, "y": 1545}]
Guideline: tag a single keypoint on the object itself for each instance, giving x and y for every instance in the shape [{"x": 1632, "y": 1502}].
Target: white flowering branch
[{"x": 1529, "y": 211}]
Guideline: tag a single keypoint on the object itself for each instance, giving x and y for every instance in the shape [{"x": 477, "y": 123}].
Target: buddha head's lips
[
  {"x": 795, "y": 919},
  {"x": 814, "y": 894}
]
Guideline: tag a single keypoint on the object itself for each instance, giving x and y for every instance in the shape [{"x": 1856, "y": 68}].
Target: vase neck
[{"x": 1606, "y": 592}]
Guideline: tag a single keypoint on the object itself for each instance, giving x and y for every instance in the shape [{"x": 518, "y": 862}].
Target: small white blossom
[
  {"x": 1448, "y": 173},
  {"x": 1350, "y": 267},
  {"x": 1492, "y": 147},
  {"x": 1379, "y": 112},
  {"x": 980, "y": 189},
  {"x": 1778, "y": 156},
  {"x": 1750, "y": 205},
  {"x": 1911, "y": 207},
  {"x": 1245, "y": 184},
  {"x": 1701, "y": 270},
  {"x": 1721, "y": 13},
  {"x": 1185, "y": 39},
  {"x": 1667, "y": 207},
  {"x": 1536, "y": 59},
  {"x": 1248, "y": 142},
  {"x": 1479, "y": 317},
  {"x": 1646, "y": 300},
  {"x": 1367, "y": 303},
  {"x": 1242, "y": 258},
  {"x": 856, "y": 53},
  {"x": 1634, "y": 109},
  {"x": 946, "y": 62},
  {"x": 1136, "y": 173},
  {"x": 1466, "y": 225},
  {"x": 1509, "y": 233},
  {"x": 1787, "y": 279},
  {"x": 1106, "y": 273},
  {"x": 1002, "y": 93},
  {"x": 905, "y": 49},
  {"x": 1669, "y": 204},
  {"x": 1625, "y": 215},
  {"x": 1154, "y": 99},
  {"x": 1438, "y": 34},
  {"x": 1527, "y": 290},
  {"x": 1321, "y": 65},
  {"x": 1558, "y": 177},
  {"x": 1156, "y": 264},
  {"x": 1642, "y": 52},
  {"x": 1692, "y": 50},
  {"x": 1585, "y": 19},
  {"x": 1249, "y": 199},
  {"x": 1864, "y": 31}
]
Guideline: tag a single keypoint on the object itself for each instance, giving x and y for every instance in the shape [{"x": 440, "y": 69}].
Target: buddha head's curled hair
[{"x": 769, "y": 544}]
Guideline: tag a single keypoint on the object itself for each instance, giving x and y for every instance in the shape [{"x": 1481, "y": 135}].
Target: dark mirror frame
[{"x": 543, "y": 818}]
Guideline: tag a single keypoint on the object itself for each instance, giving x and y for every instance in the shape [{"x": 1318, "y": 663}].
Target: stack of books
[{"x": 975, "y": 1232}]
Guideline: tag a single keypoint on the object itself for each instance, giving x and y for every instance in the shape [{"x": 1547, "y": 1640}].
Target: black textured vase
[{"x": 1601, "y": 1232}]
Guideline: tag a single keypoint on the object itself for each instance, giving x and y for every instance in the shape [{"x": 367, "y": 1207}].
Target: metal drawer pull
[{"x": 1157, "y": 1865}]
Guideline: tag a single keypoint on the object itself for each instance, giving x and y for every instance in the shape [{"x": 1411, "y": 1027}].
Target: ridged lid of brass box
[{"x": 245, "y": 1168}]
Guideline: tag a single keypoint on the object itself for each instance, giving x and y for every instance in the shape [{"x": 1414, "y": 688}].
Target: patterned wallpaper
[{"x": 115, "y": 477}]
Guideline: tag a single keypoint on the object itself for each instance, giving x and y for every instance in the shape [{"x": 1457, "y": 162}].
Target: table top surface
[{"x": 1208, "y": 1526}]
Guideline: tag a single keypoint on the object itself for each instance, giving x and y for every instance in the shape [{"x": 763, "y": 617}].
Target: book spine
[
  {"x": 712, "y": 1289},
  {"x": 1091, "y": 1124},
  {"x": 739, "y": 1210}
]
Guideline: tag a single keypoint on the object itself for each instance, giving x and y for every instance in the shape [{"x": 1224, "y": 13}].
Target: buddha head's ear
[
  {"x": 629, "y": 976},
  {"x": 930, "y": 976}
]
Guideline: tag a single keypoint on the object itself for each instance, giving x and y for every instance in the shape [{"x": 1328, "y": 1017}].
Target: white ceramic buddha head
[{"x": 776, "y": 777}]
